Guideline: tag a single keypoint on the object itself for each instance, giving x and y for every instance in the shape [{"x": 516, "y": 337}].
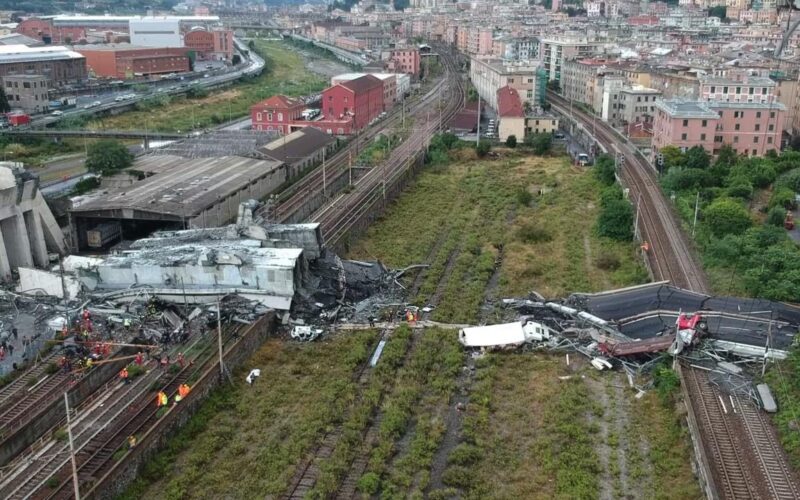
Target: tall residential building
[
  {"x": 489, "y": 75},
  {"x": 740, "y": 88},
  {"x": 554, "y": 53}
]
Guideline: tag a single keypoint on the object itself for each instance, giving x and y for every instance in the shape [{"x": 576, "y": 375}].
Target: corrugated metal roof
[{"x": 23, "y": 53}]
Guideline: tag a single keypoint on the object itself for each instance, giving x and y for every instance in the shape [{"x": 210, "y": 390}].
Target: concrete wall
[
  {"x": 125, "y": 471},
  {"x": 36, "y": 281}
]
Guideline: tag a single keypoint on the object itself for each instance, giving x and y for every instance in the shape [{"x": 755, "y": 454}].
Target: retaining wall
[{"x": 125, "y": 471}]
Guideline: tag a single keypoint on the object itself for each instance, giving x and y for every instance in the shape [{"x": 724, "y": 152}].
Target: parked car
[{"x": 57, "y": 113}]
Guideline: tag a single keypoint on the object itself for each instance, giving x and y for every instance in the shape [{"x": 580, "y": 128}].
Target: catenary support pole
[{"x": 75, "y": 483}]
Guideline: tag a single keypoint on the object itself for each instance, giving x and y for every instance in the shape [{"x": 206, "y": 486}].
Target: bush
[
  {"x": 524, "y": 197},
  {"x": 51, "y": 368},
  {"x": 464, "y": 454},
  {"x": 458, "y": 476},
  {"x": 511, "y": 141},
  {"x": 483, "y": 148},
  {"x": 60, "y": 435},
  {"x": 743, "y": 191},
  {"x": 727, "y": 216},
  {"x": 666, "y": 382},
  {"x": 604, "y": 170},
  {"x": 682, "y": 178},
  {"x": 85, "y": 185},
  {"x": 775, "y": 216},
  {"x": 539, "y": 143},
  {"x": 369, "y": 483},
  {"x": 615, "y": 220},
  {"x": 533, "y": 233},
  {"x": 783, "y": 197},
  {"x": 135, "y": 370},
  {"x": 196, "y": 92},
  {"x": 607, "y": 261}
]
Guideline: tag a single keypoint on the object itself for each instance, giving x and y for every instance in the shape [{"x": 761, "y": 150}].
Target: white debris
[
  {"x": 254, "y": 373},
  {"x": 503, "y": 334}
]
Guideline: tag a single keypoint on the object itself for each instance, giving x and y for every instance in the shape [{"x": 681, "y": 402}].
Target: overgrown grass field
[
  {"x": 285, "y": 73},
  {"x": 536, "y": 214}
]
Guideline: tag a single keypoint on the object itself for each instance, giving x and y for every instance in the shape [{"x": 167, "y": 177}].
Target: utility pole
[
  {"x": 75, "y": 484},
  {"x": 696, "y": 209},
  {"x": 478, "y": 138},
  {"x": 441, "y": 125},
  {"x": 636, "y": 222},
  {"x": 350, "y": 166},
  {"x": 404, "y": 112},
  {"x": 219, "y": 339},
  {"x": 324, "y": 178}
]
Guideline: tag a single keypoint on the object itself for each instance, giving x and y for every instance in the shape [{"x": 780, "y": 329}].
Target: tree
[
  {"x": 483, "y": 148},
  {"x": 727, "y": 216},
  {"x": 673, "y": 157},
  {"x": 615, "y": 220},
  {"x": 775, "y": 216},
  {"x": 107, "y": 157},
  {"x": 236, "y": 59},
  {"x": 697, "y": 157},
  {"x": 604, "y": 170},
  {"x": 511, "y": 141},
  {"x": 540, "y": 143},
  {"x": 4, "y": 106},
  {"x": 719, "y": 11}
]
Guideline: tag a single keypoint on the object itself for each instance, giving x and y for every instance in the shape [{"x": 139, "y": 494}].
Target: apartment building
[
  {"x": 751, "y": 128},
  {"x": 637, "y": 105},
  {"x": 489, "y": 75},
  {"x": 554, "y": 53},
  {"x": 740, "y": 88},
  {"x": 27, "y": 92},
  {"x": 579, "y": 79}
]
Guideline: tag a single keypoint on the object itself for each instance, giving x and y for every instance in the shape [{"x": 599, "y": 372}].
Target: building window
[
  {"x": 683, "y": 137},
  {"x": 705, "y": 123},
  {"x": 738, "y": 90},
  {"x": 736, "y": 127},
  {"x": 724, "y": 90},
  {"x": 258, "y": 116},
  {"x": 713, "y": 90},
  {"x": 702, "y": 137},
  {"x": 755, "y": 140},
  {"x": 751, "y": 91},
  {"x": 772, "y": 114},
  {"x": 764, "y": 91},
  {"x": 758, "y": 127},
  {"x": 735, "y": 139},
  {"x": 771, "y": 127},
  {"x": 280, "y": 117},
  {"x": 685, "y": 123},
  {"x": 769, "y": 140},
  {"x": 758, "y": 114}
]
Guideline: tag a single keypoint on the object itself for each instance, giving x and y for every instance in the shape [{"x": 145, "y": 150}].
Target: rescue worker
[
  {"x": 127, "y": 323},
  {"x": 180, "y": 359},
  {"x": 161, "y": 399},
  {"x": 183, "y": 390},
  {"x": 11, "y": 349},
  {"x": 15, "y": 333},
  {"x": 177, "y": 400},
  {"x": 139, "y": 360},
  {"x": 86, "y": 314},
  {"x": 131, "y": 442},
  {"x": 89, "y": 363},
  {"x": 123, "y": 375},
  {"x": 165, "y": 361}
]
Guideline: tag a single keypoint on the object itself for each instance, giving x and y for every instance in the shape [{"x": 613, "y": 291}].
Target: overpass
[
  {"x": 146, "y": 135},
  {"x": 344, "y": 55}
]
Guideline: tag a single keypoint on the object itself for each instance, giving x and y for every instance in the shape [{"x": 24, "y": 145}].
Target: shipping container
[{"x": 103, "y": 234}]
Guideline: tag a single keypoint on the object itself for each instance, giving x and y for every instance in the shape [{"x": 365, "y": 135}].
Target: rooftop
[
  {"x": 362, "y": 84},
  {"x": 19, "y": 39},
  {"x": 23, "y": 53},
  {"x": 180, "y": 187},
  {"x": 678, "y": 108},
  {"x": 121, "y": 19},
  {"x": 746, "y": 105},
  {"x": 758, "y": 81},
  {"x": 297, "y": 145},
  {"x": 117, "y": 47}
]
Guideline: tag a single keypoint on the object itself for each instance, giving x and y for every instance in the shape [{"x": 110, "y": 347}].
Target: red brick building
[
  {"x": 210, "y": 44},
  {"x": 124, "y": 61},
  {"x": 277, "y": 113},
  {"x": 361, "y": 98},
  {"x": 404, "y": 61}
]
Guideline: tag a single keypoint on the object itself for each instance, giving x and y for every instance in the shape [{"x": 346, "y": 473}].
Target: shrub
[
  {"x": 666, "y": 382},
  {"x": 85, "y": 185},
  {"x": 52, "y": 482},
  {"x": 775, "y": 216},
  {"x": 135, "y": 370},
  {"x": 107, "y": 157},
  {"x": 604, "y": 170},
  {"x": 727, "y": 216},
  {"x": 615, "y": 220},
  {"x": 783, "y": 197},
  {"x": 524, "y": 197},
  {"x": 51, "y": 368},
  {"x": 369, "y": 483},
  {"x": 743, "y": 191},
  {"x": 607, "y": 261},
  {"x": 533, "y": 233},
  {"x": 60, "y": 435},
  {"x": 483, "y": 148},
  {"x": 464, "y": 454},
  {"x": 511, "y": 141},
  {"x": 458, "y": 476}
]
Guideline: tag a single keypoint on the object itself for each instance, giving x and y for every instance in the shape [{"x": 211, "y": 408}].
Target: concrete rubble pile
[{"x": 638, "y": 328}]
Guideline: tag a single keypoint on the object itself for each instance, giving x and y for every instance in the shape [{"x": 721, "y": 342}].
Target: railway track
[
  {"x": 293, "y": 199},
  {"x": 747, "y": 460},
  {"x": 16, "y": 389},
  {"x": 339, "y": 216}
]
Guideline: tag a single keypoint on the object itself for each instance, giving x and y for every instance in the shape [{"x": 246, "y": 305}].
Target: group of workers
[{"x": 162, "y": 399}]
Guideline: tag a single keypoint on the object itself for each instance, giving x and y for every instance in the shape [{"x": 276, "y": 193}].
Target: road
[{"x": 253, "y": 64}]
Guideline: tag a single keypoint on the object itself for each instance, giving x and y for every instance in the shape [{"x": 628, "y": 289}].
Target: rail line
[
  {"x": 338, "y": 217},
  {"x": 748, "y": 461},
  {"x": 294, "y": 198}
]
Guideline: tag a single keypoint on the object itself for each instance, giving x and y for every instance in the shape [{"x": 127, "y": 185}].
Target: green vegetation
[
  {"x": 285, "y": 73},
  {"x": 745, "y": 249},
  {"x": 246, "y": 441},
  {"x": 466, "y": 211},
  {"x": 357, "y": 418},
  {"x": 615, "y": 220},
  {"x": 784, "y": 379},
  {"x": 540, "y": 144},
  {"x": 422, "y": 390},
  {"x": 511, "y": 141},
  {"x": 108, "y": 157}
]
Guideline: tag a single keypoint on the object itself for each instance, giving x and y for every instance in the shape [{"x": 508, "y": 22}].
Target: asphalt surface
[{"x": 651, "y": 310}]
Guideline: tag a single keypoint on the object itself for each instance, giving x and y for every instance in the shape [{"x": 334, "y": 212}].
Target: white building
[{"x": 156, "y": 32}]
